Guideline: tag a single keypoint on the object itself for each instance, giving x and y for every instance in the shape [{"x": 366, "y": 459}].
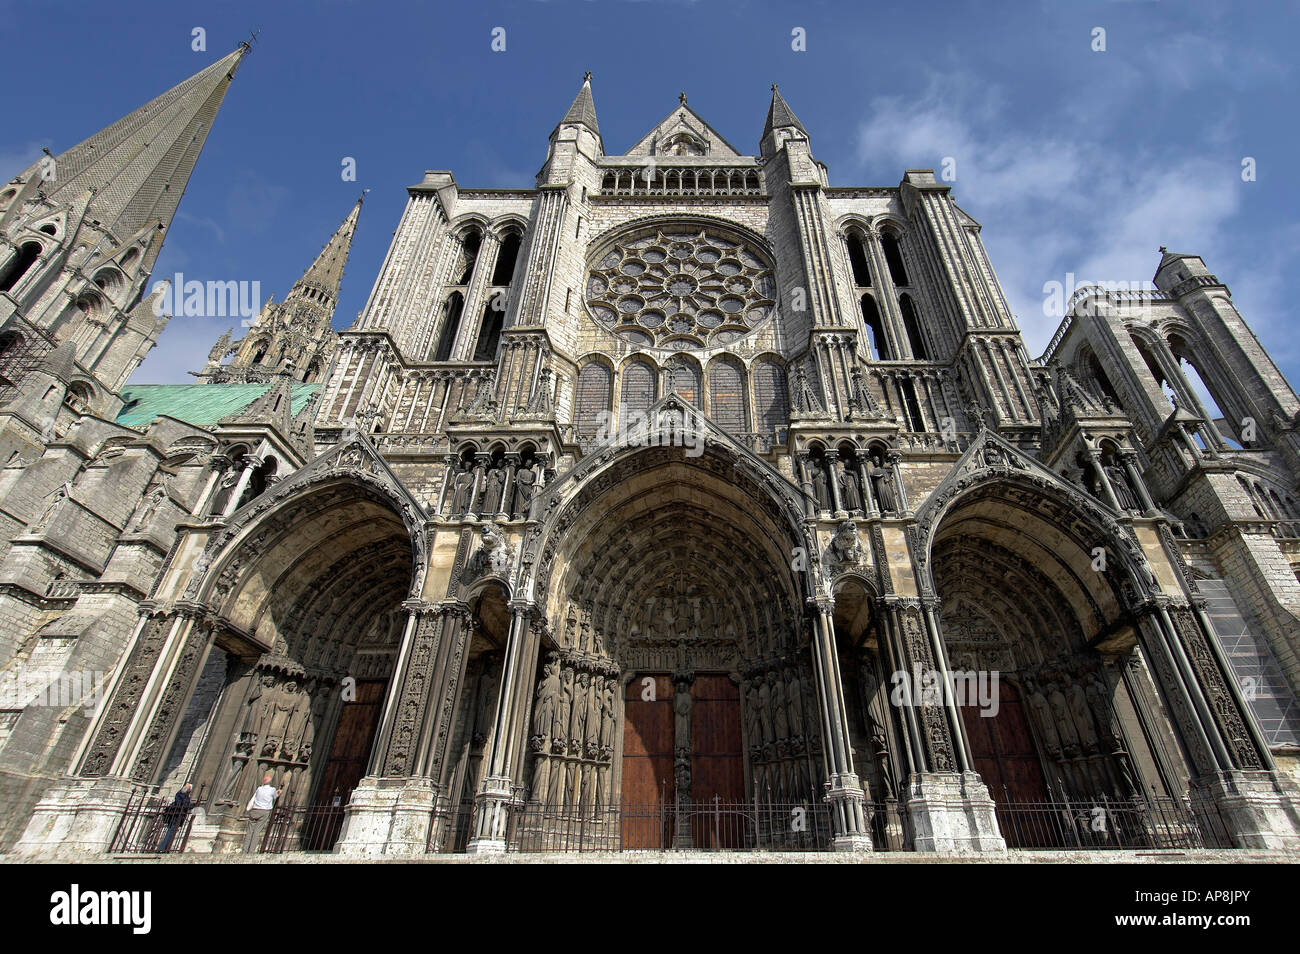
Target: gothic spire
[
  {"x": 583, "y": 108},
  {"x": 137, "y": 168},
  {"x": 325, "y": 274},
  {"x": 780, "y": 114}
]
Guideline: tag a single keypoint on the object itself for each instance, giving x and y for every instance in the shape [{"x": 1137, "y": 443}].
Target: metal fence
[
  {"x": 1158, "y": 823},
  {"x": 309, "y": 828},
  {"x": 715, "y": 825},
  {"x": 151, "y": 825}
]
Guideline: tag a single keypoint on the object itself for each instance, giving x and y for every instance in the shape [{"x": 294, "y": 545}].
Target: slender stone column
[
  {"x": 1129, "y": 460},
  {"x": 893, "y": 460},
  {"x": 233, "y": 503},
  {"x": 868, "y": 492},
  {"x": 480, "y": 466},
  {"x": 496, "y": 793},
  {"x": 843, "y": 790},
  {"x": 805, "y": 483},
  {"x": 832, "y": 477},
  {"x": 1099, "y": 472}
]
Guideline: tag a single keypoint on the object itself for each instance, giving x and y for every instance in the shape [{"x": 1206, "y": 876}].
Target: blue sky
[{"x": 1074, "y": 161}]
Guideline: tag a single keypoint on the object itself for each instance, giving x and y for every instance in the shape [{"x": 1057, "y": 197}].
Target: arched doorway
[
  {"x": 1043, "y": 662},
  {"x": 313, "y": 594},
  {"x": 680, "y": 677}
]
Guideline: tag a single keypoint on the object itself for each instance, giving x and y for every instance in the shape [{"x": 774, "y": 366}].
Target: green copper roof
[{"x": 202, "y": 405}]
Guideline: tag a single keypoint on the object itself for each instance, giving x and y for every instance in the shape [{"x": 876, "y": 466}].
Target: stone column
[
  {"x": 480, "y": 467},
  {"x": 868, "y": 492},
  {"x": 893, "y": 460},
  {"x": 391, "y": 810},
  {"x": 948, "y": 803},
  {"x": 496, "y": 793},
  {"x": 233, "y": 503},
  {"x": 805, "y": 483},
  {"x": 843, "y": 790},
  {"x": 130, "y": 737},
  {"x": 1232, "y": 769},
  {"x": 832, "y": 476},
  {"x": 1103, "y": 482},
  {"x": 1129, "y": 460}
]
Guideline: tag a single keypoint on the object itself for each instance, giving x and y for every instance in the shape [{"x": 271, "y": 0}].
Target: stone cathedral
[{"x": 676, "y": 478}]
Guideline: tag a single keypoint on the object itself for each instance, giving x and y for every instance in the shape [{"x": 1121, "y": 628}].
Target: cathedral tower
[
  {"x": 293, "y": 338},
  {"x": 79, "y": 235}
]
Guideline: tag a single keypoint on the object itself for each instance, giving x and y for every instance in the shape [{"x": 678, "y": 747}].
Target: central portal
[{"x": 683, "y": 762}]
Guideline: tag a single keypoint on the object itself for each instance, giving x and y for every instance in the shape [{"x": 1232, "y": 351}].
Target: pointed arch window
[
  {"x": 638, "y": 390},
  {"x": 19, "y": 265},
  {"x": 875, "y": 329},
  {"x": 771, "y": 395},
  {"x": 450, "y": 326},
  {"x": 489, "y": 334},
  {"x": 912, "y": 325},
  {"x": 684, "y": 380},
  {"x": 727, "y": 396},
  {"x": 894, "y": 259},
  {"x": 595, "y": 387},
  {"x": 858, "y": 260},
  {"x": 468, "y": 257},
  {"x": 504, "y": 272}
]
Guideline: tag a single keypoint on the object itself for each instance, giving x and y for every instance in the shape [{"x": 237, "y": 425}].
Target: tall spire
[
  {"x": 293, "y": 338},
  {"x": 137, "y": 168},
  {"x": 583, "y": 108},
  {"x": 325, "y": 274},
  {"x": 780, "y": 114}
]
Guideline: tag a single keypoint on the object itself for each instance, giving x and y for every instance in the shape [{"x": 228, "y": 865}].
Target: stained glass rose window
[{"x": 681, "y": 289}]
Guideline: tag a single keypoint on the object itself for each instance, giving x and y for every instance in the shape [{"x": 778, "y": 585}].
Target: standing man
[
  {"x": 259, "y": 812},
  {"x": 174, "y": 814}
]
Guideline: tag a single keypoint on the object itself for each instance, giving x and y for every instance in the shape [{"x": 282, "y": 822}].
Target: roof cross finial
[
  {"x": 586, "y": 77},
  {"x": 682, "y": 96},
  {"x": 774, "y": 87}
]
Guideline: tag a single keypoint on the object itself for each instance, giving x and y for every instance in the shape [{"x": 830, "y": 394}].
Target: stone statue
[
  {"x": 1043, "y": 716},
  {"x": 821, "y": 489},
  {"x": 846, "y": 546},
  {"x": 608, "y": 716},
  {"x": 1119, "y": 484},
  {"x": 682, "y": 716},
  {"x": 1078, "y": 703},
  {"x": 463, "y": 488},
  {"x": 1061, "y": 716},
  {"x": 548, "y": 697},
  {"x": 560, "y": 726},
  {"x": 525, "y": 487},
  {"x": 493, "y": 489},
  {"x": 794, "y": 695},
  {"x": 780, "y": 717},
  {"x": 882, "y": 485},
  {"x": 850, "y": 493},
  {"x": 753, "y": 727}
]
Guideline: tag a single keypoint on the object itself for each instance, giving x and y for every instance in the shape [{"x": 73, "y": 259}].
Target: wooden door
[
  {"x": 647, "y": 761},
  {"x": 720, "y": 818},
  {"x": 1004, "y": 755},
  {"x": 350, "y": 749}
]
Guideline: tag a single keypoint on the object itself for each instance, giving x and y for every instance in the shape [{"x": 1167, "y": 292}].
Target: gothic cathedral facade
[{"x": 679, "y": 478}]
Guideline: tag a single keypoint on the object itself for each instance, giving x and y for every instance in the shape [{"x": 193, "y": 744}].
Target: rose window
[{"x": 681, "y": 289}]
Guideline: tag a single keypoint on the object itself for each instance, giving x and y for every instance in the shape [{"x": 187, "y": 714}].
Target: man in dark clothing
[{"x": 174, "y": 814}]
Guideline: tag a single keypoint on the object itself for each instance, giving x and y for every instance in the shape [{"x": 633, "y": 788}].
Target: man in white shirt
[{"x": 259, "y": 813}]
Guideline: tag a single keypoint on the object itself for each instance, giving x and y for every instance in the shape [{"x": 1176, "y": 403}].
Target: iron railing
[
  {"x": 151, "y": 825},
  {"x": 714, "y": 825},
  {"x": 312, "y": 828},
  {"x": 1115, "y": 825}
]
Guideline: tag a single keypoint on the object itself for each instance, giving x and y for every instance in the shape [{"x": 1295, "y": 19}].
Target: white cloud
[{"x": 1057, "y": 197}]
